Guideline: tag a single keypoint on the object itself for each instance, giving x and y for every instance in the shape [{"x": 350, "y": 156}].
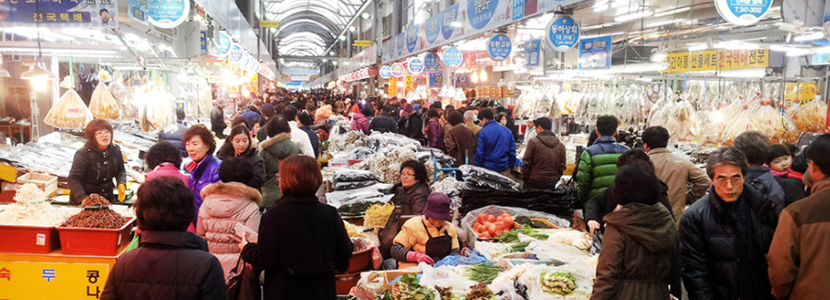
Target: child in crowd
[{"x": 779, "y": 160}]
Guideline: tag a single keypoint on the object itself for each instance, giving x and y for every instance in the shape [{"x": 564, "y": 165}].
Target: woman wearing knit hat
[{"x": 428, "y": 238}]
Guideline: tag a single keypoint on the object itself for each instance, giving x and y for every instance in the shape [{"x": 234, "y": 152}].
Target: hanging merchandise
[
  {"x": 119, "y": 92},
  {"x": 156, "y": 109},
  {"x": 69, "y": 113},
  {"x": 811, "y": 117},
  {"x": 103, "y": 104},
  {"x": 563, "y": 33}
]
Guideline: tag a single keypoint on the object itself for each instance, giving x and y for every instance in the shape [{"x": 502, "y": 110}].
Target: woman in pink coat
[
  {"x": 164, "y": 159},
  {"x": 225, "y": 204}
]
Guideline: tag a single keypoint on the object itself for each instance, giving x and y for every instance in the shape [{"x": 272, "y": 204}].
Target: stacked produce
[
  {"x": 481, "y": 178},
  {"x": 487, "y": 225},
  {"x": 30, "y": 209},
  {"x": 377, "y": 215},
  {"x": 356, "y": 209},
  {"x": 482, "y": 273},
  {"x": 408, "y": 288},
  {"x": 96, "y": 213},
  {"x": 352, "y": 179},
  {"x": 386, "y": 165},
  {"x": 69, "y": 113},
  {"x": 352, "y": 231},
  {"x": 480, "y": 292},
  {"x": 103, "y": 104},
  {"x": 557, "y": 283}
]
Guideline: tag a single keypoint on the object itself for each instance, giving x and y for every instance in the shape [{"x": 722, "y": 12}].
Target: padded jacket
[
  {"x": 225, "y": 205},
  {"x": 272, "y": 151},
  {"x": 544, "y": 162},
  {"x": 714, "y": 266},
  {"x": 255, "y": 162},
  {"x": 175, "y": 138},
  {"x": 384, "y": 123},
  {"x": 496, "y": 149},
  {"x": 598, "y": 167},
  {"x": 92, "y": 173}
]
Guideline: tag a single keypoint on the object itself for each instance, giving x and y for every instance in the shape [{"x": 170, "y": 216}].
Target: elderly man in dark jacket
[
  {"x": 384, "y": 122},
  {"x": 726, "y": 235},
  {"x": 171, "y": 263},
  {"x": 544, "y": 159}
]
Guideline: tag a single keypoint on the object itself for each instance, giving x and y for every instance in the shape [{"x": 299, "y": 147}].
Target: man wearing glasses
[{"x": 726, "y": 235}]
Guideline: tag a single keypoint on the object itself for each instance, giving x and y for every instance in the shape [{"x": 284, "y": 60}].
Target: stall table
[{"x": 12, "y": 129}]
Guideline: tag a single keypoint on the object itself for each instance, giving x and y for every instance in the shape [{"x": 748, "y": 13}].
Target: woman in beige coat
[{"x": 225, "y": 204}]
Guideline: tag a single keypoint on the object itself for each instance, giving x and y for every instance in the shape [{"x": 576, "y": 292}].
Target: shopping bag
[
  {"x": 135, "y": 243},
  {"x": 243, "y": 282}
]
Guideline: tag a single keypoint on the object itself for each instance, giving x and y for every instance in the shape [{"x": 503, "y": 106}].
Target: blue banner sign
[
  {"x": 453, "y": 57},
  {"x": 499, "y": 47},
  {"x": 595, "y": 53},
  {"x": 59, "y": 13},
  {"x": 432, "y": 62},
  {"x": 533, "y": 53},
  {"x": 562, "y": 33}
]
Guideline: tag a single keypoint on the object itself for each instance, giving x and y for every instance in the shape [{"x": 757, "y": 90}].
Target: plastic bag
[
  {"x": 103, "y": 104},
  {"x": 484, "y": 178},
  {"x": 343, "y": 186},
  {"x": 69, "y": 113},
  {"x": 369, "y": 285},
  {"x": 456, "y": 260},
  {"x": 352, "y": 176},
  {"x": 584, "y": 282},
  {"x": 810, "y": 117},
  {"x": 445, "y": 277},
  {"x": 470, "y": 218}
]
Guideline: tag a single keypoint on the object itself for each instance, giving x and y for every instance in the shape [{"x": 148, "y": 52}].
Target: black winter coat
[
  {"x": 255, "y": 162},
  {"x": 384, "y": 123},
  {"x": 408, "y": 201},
  {"x": 217, "y": 120},
  {"x": 168, "y": 265},
  {"x": 302, "y": 242},
  {"x": 92, "y": 173},
  {"x": 714, "y": 266},
  {"x": 603, "y": 204},
  {"x": 175, "y": 138}
]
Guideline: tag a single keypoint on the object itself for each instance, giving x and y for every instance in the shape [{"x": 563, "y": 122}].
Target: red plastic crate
[
  {"x": 93, "y": 241},
  {"x": 28, "y": 239}
]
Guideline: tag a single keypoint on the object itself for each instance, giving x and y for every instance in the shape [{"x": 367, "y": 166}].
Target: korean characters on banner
[
  {"x": 393, "y": 87},
  {"x": 464, "y": 19},
  {"x": 432, "y": 62},
  {"x": 743, "y": 12},
  {"x": 453, "y": 57},
  {"x": 40, "y": 280},
  {"x": 562, "y": 33},
  {"x": 59, "y": 13},
  {"x": 533, "y": 53},
  {"x": 409, "y": 84},
  {"x": 499, "y": 47},
  {"x": 595, "y": 53}
]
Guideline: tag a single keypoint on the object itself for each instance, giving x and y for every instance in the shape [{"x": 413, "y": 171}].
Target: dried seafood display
[
  {"x": 69, "y": 113},
  {"x": 103, "y": 104},
  {"x": 96, "y": 213}
]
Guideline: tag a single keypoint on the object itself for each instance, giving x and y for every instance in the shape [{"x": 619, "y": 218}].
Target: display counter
[{"x": 54, "y": 275}]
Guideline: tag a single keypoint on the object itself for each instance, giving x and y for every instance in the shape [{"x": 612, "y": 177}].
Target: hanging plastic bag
[
  {"x": 69, "y": 113},
  {"x": 103, "y": 104}
]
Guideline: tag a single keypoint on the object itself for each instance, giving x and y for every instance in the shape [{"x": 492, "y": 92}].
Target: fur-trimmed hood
[
  {"x": 273, "y": 140},
  {"x": 235, "y": 189}
]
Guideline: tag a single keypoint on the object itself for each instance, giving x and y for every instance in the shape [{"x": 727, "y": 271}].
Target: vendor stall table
[
  {"x": 54, "y": 275},
  {"x": 12, "y": 129}
]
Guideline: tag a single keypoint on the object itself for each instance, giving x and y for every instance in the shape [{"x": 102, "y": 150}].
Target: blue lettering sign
[
  {"x": 432, "y": 62},
  {"x": 562, "y": 33},
  {"x": 499, "y": 47},
  {"x": 453, "y": 57}
]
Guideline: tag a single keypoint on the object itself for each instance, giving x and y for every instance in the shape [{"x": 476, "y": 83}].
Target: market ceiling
[{"x": 309, "y": 27}]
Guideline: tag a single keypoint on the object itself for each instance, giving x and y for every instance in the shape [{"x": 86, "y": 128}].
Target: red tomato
[
  {"x": 500, "y": 218},
  {"x": 508, "y": 223},
  {"x": 477, "y": 227},
  {"x": 493, "y": 228},
  {"x": 481, "y": 218},
  {"x": 485, "y": 235},
  {"x": 490, "y": 218}
]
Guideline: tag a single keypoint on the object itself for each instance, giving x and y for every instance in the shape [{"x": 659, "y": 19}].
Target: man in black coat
[
  {"x": 175, "y": 137},
  {"x": 171, "y": 263},
  {"x": 726, "y": 235},
  {"x": 384, "y": 122}
]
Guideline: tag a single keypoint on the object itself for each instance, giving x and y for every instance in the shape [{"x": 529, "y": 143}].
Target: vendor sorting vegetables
[
  {"x": 428, "y": 238},
  {"x": 96, "y": 164}
]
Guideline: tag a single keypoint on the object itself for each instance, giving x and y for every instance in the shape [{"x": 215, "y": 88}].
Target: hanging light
[
  {"x": 483, "y": 76},
  {"x": 474, "y": 77},
  {"x": 38, "y": 71}
]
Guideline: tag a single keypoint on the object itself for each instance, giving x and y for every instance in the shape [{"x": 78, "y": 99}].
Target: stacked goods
[
  {"x": 559, "y": 203},
  {"x": 480, "y": 291},
  {"x": 103, "y": 104},
  {"x": 352, "y": 231},
  {"x": 356, "y": 209},
  {"x": 386, "y": 165},
  {"x": 30, "y": 209},
  {"x": 482, "y": 273},
  {"x": 482, "y": 178},
  {"x": 408, "y": 288},
  {"x": 96, "y": 213},
  {"x": 69, "y": 113},
  {"x": 377, "y": 215},
  {"x": 487, "y": 225},
  {"x": 352, "y": 179}
]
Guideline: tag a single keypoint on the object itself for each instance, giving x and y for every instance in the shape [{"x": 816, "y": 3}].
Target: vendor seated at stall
[{"x": 428, "y": 238}]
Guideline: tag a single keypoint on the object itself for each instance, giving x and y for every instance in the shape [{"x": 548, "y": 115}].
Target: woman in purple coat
[{"x": 204, "y": 167}]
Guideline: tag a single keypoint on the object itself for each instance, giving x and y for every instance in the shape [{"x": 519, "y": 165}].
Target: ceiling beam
[{"x": 300, "y": 57}]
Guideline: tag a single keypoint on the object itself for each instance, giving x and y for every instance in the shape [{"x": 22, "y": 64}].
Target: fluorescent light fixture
[
  {"x": 365, "y": 16},
  {"x": 643, "y": 79},
  {"x": 798, "y": 52},
  {"x": 600, "y": 3},
  {"x": 60, "y": 50},
  {"x": 643, "y": 67},
  {"x": 698, "y": 47},
  {"x": 736, "y": 46},
  {"x": 809, "y": 37},
  {"x": 788, "y": 49},
  {"x": 672, "y": 11},
  {"x": 659, "y": 56},
  {"x": 823, "y": 50},
  {"x": 655, "y": 24},
  {"x": 600, "y": 8},
  {"x": 129, "y": 68},
  {"x": 599, "y": 35},
  {"x": 634, "y": 16},
  {"x": 619, "y": 3},
  {"x": 352, "y": 29}
]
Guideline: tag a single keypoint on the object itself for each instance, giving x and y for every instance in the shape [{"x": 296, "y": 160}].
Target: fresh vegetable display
[
  {"x": 512, "y": 236},
  {"x": 480, "y": 291},
  {"x": 488, "y": 226},
  {"x": 446, "y": 293},
  {"x": 356, "y": 209},
  {"x": 520, "y": 247},
  {"x": 557, "y": 283},
  {"x": 352, "y": 230},
  {"x": 378, "y": 214},
  {"x": 408, "y": 288},
  {"x": 485, "y": 272}
]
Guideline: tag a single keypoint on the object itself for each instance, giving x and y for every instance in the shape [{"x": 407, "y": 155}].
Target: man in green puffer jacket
[{"x": 598, "y": 163}]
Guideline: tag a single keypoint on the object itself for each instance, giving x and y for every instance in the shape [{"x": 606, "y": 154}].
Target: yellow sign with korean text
[
  {"x": 408, "y": 83},
  {"x": 716, "y": 60},
  {"x": 393, "y": 87},
  {"x": 804, "y": 92},
  {"x": 268, "y": 24},
  {"x": 361, "y": 43},
  {"x": 52, "y": 280}
]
